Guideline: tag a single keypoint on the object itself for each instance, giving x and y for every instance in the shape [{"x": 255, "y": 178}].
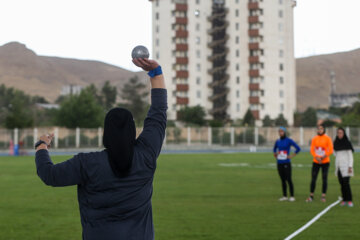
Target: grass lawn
[{"x": 196, "y": 196}]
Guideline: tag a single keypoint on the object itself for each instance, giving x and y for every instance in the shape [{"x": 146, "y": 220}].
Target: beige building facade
[{"x": 227, "y": 56}]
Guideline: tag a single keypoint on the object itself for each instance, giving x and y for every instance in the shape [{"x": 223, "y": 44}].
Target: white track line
[{"x": 312, "y": 221}]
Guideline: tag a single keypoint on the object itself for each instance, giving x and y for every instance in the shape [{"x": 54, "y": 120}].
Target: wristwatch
[{"x": 38, "y": 143}]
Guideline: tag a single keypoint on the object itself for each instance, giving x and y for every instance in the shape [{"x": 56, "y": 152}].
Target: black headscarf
[
  {"x": 344, "y": 143},
  {"x": 119, "y": 140}
]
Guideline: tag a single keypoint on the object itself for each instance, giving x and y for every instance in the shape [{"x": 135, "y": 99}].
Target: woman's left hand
[{"x": 350, "y": 170}]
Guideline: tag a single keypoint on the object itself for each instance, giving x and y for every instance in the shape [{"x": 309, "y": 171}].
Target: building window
[
  {"x": 157, "y": 3},
  {"x": 157, "y": 29},
  {"x": 282, "y": 107},
  {"x": 197, "y": 13},
  {"x": 262, "y": 106},
  {"x": 280, "y": 2},
  {"x": 157, "y": 55},
  {"x": 237, "y": 1},
  {"x": 281, "y": 67},
  {"x": 238, "y": 80},
  {"x": 237, "y": 53},
  {"x": 197, "y": 1},
  {"x": 237, "y": 93},
  {"x": 280, "y": 27},
  {"x": 238, "y": 107},
  {"x": 198, "y": 40},
  {"x": 197, "y": 27},
  {"x": 237, "y": 12},
  {"x": 198, "y": 94},
  {"x": 198, "y": 67},
  {"x": 262, "y": 93},
  {"x": 281, "y": 80},
  {"x": 198, "y": 80},
  {"x": 237, "y": 39},
  {"x": 281, "y": 53},
  {"x": 280, "y": 13},
  {"x": 157, "y": 16},
  {"x": 237, "y": 26},
  {"x": 157, "y": 42},
  {"x": 198, "y": 54},
  {"x": 237, "y": 67},
  {"x": 281, "y": 93}
]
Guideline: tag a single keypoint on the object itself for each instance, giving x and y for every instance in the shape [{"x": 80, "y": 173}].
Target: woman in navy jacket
[
  {"x": 282, "y": 150},
  {"x": 115, "y": 185}
]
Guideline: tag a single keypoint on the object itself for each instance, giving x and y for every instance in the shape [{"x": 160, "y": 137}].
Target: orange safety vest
[{"x": 321, "y": 146}]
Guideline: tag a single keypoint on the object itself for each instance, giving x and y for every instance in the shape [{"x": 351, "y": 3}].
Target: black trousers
[
  {"x": 345, "y": 187},
  {"x": 284, "y": 170},
  {"x": 314, "y": 173}
]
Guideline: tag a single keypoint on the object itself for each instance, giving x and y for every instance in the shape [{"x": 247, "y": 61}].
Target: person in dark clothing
[
  {"x": 344, "y": 161},
  {"x": 115, "y": 185},
  {"x": 282, "y": 150}
]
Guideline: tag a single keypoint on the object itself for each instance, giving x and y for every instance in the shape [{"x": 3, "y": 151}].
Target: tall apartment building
[{"x": 227, "y": 56}]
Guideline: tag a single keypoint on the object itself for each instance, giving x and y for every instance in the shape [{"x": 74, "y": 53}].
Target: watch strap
[{"x": 38, "y": 143}]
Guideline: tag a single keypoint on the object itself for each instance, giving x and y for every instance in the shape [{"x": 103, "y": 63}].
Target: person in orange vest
[{"x": 321, "y": 149}]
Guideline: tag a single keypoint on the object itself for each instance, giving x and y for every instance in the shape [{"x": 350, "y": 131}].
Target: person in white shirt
[{"x": 344, "y": 165}]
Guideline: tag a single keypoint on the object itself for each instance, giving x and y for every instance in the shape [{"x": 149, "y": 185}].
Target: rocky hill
[
  {"x": 23, "y": 69},
  {"x": 313, "y": 77}
]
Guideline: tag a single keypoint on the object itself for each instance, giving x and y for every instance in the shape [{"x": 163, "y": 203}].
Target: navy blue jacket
[
  {"x": 111, "y": 207},
  {"x": 283, "y": 148}
]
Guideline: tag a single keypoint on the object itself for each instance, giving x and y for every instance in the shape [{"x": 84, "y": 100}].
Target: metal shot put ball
[{"x": 140, "y": 52}]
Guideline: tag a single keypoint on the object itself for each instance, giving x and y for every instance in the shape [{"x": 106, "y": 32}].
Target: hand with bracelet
[
  {"x": 154, "y": 71},
  {"x": 44, "y": 142}
]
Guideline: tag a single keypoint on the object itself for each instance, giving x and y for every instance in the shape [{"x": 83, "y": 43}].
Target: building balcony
[
  {"x": 254, "y": 32},
  {"x": 254, "y": 86},
  {"x": 182, "y": 74},
  {"x": 182, "y": 100},
  {"x": 182, "y": 60},
  {"x": 253, "y": 19},
  {"x": 181, "y": 20},
  {"x": 253, "y": 6},
  {"x": 254, "y": 46},
  {"x": 182, "y": 34},
  {"x": 254, "y": 59},
  {"x": 181, "y": 7},
  {"x": 254, "y": 73},
  {"x": 182, "y": 87},
  {"x": 256, "y": 114},
  {"x": 254, "y": 100},
  {"x": 182, "y": 47}
]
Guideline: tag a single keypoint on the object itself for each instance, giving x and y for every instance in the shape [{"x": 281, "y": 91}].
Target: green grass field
[{"x": 197, "y": 196}]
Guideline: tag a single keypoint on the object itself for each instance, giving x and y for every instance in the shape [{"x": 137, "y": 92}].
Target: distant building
[
  {"x": 48, "y": 106},
  {"x": 343, "y": 99},
  {"x": 71, "y": 90},
  {"x": 227, "y": 56},
  {"x": 323, "y": 116}
]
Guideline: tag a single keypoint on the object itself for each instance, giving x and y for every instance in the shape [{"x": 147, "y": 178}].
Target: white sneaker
[
  {"x": 291, "y": 199},
  {"x": 283, "y": 199}
]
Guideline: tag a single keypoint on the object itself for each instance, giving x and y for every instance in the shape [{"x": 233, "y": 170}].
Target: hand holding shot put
[{"x": 115, "y": 185}]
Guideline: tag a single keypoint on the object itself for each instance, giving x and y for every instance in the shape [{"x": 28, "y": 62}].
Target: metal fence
[{"x": 206, "y": 136}]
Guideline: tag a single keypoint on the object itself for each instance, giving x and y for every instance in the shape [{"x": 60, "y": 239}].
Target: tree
[
  {"x": 267, "y": 122},
  {"x": 19, "y": 114},
  {"x": 352, "y": 118},
  {"x": 134, "y": 93},
  {"x": 108, "y": 94},
  {"x": 249, "y": 119},
  {"x": 281, "y": 121},
  {"x": 192, "y": 115},
  {"x": 309, "y": 118},
  {"x": 81, "y": 110}
]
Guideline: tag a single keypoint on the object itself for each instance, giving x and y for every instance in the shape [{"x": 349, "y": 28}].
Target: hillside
[
  {"x": 313, "y": 77},
  {"x": 23, "y": 69}
]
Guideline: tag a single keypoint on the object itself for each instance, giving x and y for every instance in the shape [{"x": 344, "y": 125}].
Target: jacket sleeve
[
  {"x": 297, "y": 148},
  {"x": 153, "y": 134},
  {"x": 351, "y": 158},
  {"x": 330, "y": 148},
  {"x": 58, "y": 175},
  {"x": 275, "y": 147},
  {"x": 312, "y": 148}
]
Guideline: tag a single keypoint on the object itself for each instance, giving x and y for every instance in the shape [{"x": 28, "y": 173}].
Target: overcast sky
[{"x": 107, "y": 30}]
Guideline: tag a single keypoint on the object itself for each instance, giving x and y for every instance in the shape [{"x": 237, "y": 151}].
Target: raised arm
[
  {"x": 153, "y": 134},
  {"x": 57, "y": 175}
]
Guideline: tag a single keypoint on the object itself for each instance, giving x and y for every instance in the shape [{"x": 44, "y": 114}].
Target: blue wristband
[{"x": 155, "y": 72}]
